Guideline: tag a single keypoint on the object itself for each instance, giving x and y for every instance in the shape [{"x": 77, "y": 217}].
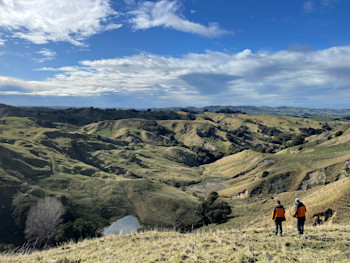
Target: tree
[
  {"x": 338, "y": 133},
  {"x": 79, "y": 229},
  {"x": 215, "y": 210},
  {"x": 43, "y": 221}
]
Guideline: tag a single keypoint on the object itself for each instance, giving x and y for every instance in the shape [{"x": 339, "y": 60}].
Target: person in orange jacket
[
  {"x": 299, "y": 213},
  {"x": 278, "y": 216}
]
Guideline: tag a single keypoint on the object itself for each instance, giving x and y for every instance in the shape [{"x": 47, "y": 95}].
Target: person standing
[
  {"x": 299, "y": 213},
  {"x": 278, "y": 216}
]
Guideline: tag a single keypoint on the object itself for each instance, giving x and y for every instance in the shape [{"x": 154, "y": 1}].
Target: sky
[{"x": 175, "y": 53}]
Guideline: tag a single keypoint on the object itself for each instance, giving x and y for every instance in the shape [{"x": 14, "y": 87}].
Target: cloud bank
[
  {"x": 42, "y": 21},
  {"x": 264, "y": 78}
]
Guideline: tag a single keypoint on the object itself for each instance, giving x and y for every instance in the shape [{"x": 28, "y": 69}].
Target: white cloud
[
  {"x": 166, "y": 13},
  {"x": 42, "y": 21},
  {"x": 112, "y": 27},
  {"x": 311, "y": 6},
  {"x": 2, "y": 41},
  {"x": 46, "y": 55},
  {"x": 45, "y": 69},
  {"x": 308, "y": 7},
  {"x": 264, "y": 78}
]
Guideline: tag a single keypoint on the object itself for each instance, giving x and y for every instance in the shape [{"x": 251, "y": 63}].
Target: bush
[
  {"x": 229, "y": 111},
  {"x": 6, "y": 247},
  {"x": 79, "y": 229},
  {"x": 338, "y": 133},
  {"x": 214, "y": 210},
  {"x": 264, "y": 174},
  {"x": 297, "y": 140},
  {"x": 43, "y": 221}
]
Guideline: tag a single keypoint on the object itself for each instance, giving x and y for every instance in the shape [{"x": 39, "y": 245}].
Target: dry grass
[{"x": 320, "y": 244}]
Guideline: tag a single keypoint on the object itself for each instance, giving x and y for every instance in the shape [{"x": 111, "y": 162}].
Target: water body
[{"x": 125, "y": 225}]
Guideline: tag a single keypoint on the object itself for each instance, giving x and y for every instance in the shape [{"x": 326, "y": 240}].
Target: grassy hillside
[
  {"x": 316, "y": 172},
  {"x": 158, "y": 166},
  {"x": 328, "y": 243},
  {"x": 79, "y": 170}
]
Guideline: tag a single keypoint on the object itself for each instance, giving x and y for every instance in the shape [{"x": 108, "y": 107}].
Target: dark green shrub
[
  {"x": 215, "y": 210},
  {"x": 297, "y": 140},
  {"x": 264, "y": 174},
  {"x": 79, "y": 229},
  {"x": 212, "y": 197},
  {"x": 338, "y": 133}
]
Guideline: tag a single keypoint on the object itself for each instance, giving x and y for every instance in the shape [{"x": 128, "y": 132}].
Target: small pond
[{"x": 125, "y": 225}]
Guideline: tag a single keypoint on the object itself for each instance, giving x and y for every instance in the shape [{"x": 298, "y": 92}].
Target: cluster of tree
[
  {"x": 229, "y": 111},
  {"x": 338, "y": 133},
  {"x": 215, "y": 210},
  {"x": 76, "y": 230},
  {"x": 269, "y": 131},
  {"x": 311, "y": 131},
  {"x": 264, "y": 148},
  {"x": 84, "y": 116},
  {"x": 241, "y": 132},
  {"x": 283, "y": 139},
  {"x": 188, "y": 110},
  {"x": 205, "y": 156},
  {"x": 209, "y": 132},
  {"x": 44, "y": 225}
]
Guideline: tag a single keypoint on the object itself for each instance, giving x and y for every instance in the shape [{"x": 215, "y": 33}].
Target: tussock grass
[{"x": 328, "y": 243}]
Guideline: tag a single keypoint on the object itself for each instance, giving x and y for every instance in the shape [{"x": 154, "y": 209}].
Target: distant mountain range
[
  {"x": 280, "y": 111},
  {"x": 113, "y": 112}
]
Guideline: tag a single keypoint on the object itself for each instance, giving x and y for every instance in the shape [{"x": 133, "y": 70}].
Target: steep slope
[
  {"x": 316, "y": 172},
  {"x": 318, "y": 162},
  {"x": 37, "y": 161}
]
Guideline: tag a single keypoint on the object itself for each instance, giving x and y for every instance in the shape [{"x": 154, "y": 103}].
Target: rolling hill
[{"x": 105, "y": 164}]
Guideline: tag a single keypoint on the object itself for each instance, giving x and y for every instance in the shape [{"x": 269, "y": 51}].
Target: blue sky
[{"x": 162, "y": 53}]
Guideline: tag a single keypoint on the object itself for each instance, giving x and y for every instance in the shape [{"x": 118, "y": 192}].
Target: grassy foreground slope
[{"x": 328, "y": 243}]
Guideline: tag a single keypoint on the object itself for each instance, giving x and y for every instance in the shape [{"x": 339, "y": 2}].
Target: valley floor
[{"x": 327, "y": 243}]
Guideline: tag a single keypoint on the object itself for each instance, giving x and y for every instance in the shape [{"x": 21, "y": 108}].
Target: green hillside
[{"x": 159, "y": 166}]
